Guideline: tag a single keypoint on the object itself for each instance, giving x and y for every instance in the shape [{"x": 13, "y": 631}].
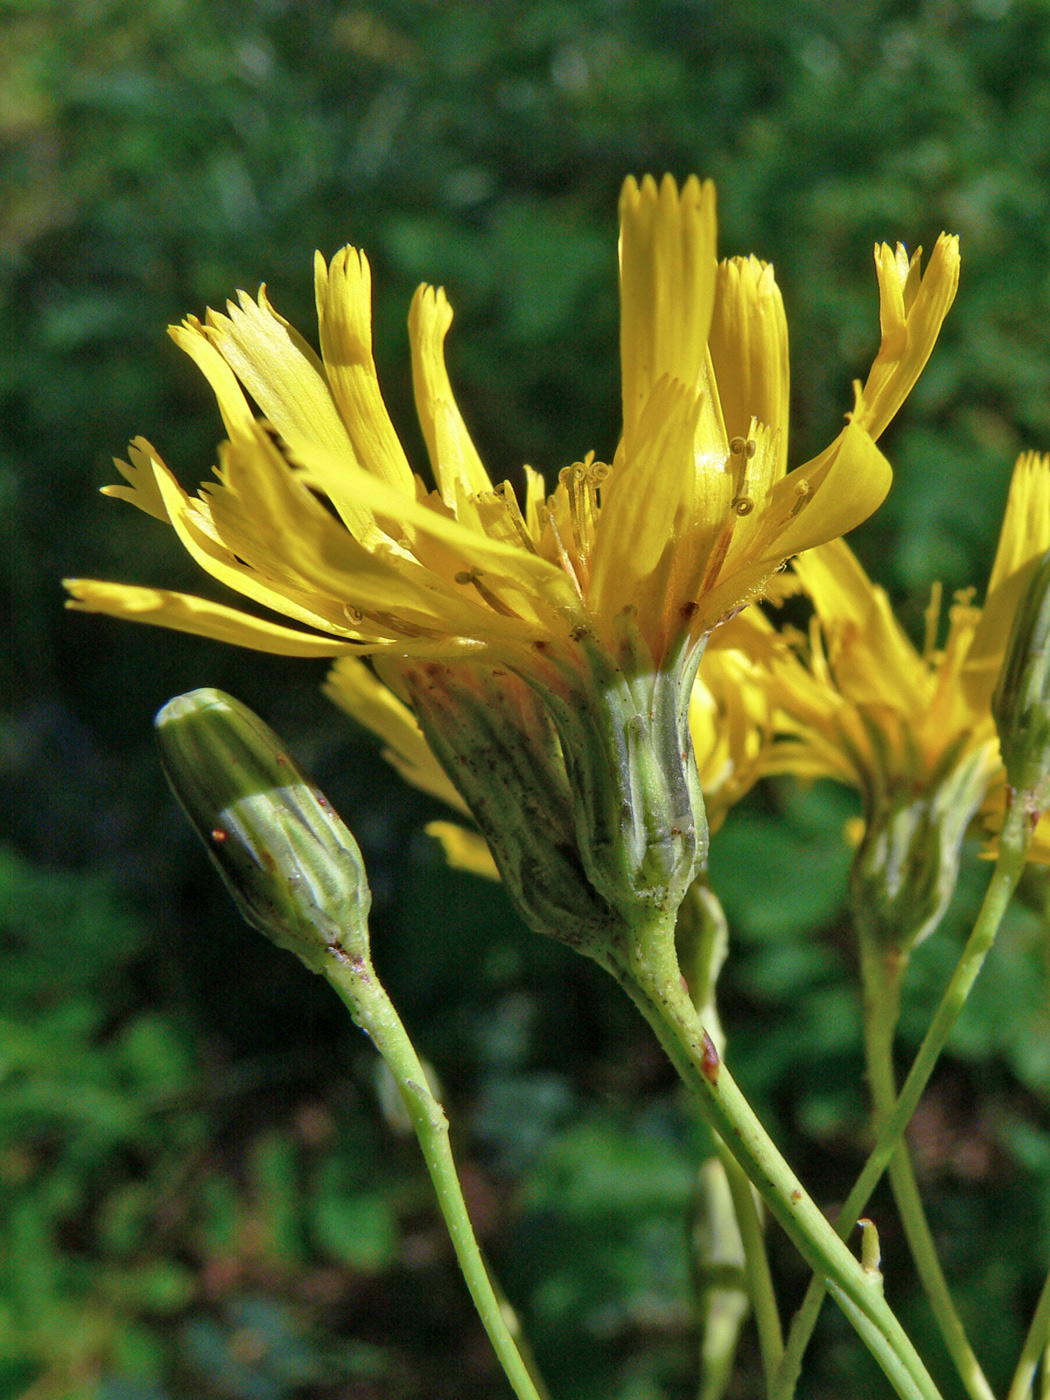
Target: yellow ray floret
[{"x": 316, "y": 515}]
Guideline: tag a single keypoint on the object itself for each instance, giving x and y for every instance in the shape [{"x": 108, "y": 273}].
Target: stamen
[
  {"x": 495, "y": 602},
  {"x": 743, "y": 505},
  {"x": 582, "y": 482},
  {"x": 353, "y": 615},
  {"x": 400, "y": 627},
  {"x": 737, "y": 446},
  {"x": 802, "y": 490},
  {"x": 506, "y": 492},
  {"x": 563, "y": 553}
]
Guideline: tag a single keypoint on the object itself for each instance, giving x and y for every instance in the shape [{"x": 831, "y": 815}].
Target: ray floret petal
[{"x": 693, "y": 515}]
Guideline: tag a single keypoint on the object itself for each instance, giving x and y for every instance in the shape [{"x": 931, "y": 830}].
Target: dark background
[{"x": 202, "y": 1193}]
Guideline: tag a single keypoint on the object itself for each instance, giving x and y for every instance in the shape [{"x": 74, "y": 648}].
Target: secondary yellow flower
[
  {"x": 911, "y": 730},
  {"x": 317, "y": 516},
  {"x": 861, "y": 703},
  {"x": 867, "y": 707}
]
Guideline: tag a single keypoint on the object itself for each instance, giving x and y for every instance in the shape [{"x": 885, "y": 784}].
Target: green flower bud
[
  {"x": 292, "y": 867},
  {"x": 1021, "y": 703}
]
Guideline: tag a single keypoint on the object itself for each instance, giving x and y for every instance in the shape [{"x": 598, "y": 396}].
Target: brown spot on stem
[{"x": 709, "y": 1062}]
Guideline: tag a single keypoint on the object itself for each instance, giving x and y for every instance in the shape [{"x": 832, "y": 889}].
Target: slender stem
[
  {"x": 1014, "y": 841},
  {"x": 701, "y": 945},
  {"x": 882, "y": 972},
  {"x": 357, "y": 985},
  {"x": 1036, "y": 1345},
  {"x": 759, "y": 1278},
  {"x": 721, "y": 1282},
  {"x": 659, "y": 996}
]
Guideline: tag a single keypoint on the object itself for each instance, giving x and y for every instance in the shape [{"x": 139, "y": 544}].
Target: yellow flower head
[
  {"x": 317, "y": 516},
  {"x": 912, "y": 731},
  {"x": 547, "y": 646},
  {"x": 864, "y": 705}
]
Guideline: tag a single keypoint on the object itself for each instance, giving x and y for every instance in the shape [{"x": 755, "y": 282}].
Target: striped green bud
[
  {"x": 292, "y": 867},
  {"x": 1021, "y": 703}
]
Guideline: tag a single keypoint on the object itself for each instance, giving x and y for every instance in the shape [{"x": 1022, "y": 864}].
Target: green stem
[
  {"x": 882, "y": 973},
  {"x": 720, "y": 1279},
  {"x": 657, "y": 991},
  {"x": 1013, "y": 849},
  {"x": 756, "y": 1265},
  {"x": 1036, "y": 1346},
  {"x": 357, "y": 985},
  {"x": 701, "y": 945}
]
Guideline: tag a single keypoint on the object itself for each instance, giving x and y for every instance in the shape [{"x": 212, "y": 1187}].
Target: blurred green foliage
[{"x": 200, "y": 1194}]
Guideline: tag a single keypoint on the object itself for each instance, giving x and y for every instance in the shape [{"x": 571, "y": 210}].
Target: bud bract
[
  {"x": 906, "y": 867},
  {"x": 1021, "y": 703},
  {"x": 292, "y": 867}
]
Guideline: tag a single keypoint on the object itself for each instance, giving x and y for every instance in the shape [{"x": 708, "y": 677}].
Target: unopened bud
[
  {"x": 292, "y": 867},
  {"x": 1021, "y": 703}
]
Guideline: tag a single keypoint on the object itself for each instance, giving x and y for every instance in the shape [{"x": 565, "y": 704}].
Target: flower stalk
[
  {"x": 701, "y": 947},
  {"x": 655, "y": 986},
  {"x": 297, "y": 875},
  {"x": 882, "y": 975},
  {"x": 1014, "y": 842}
]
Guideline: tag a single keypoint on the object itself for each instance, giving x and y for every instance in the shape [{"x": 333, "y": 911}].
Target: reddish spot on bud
[
  {"x": 282, "y": 760},
  {"x": 218, "y": 835},
  {"x": 322, "y": 801},
  {"x": 710, "y": 1063}
]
